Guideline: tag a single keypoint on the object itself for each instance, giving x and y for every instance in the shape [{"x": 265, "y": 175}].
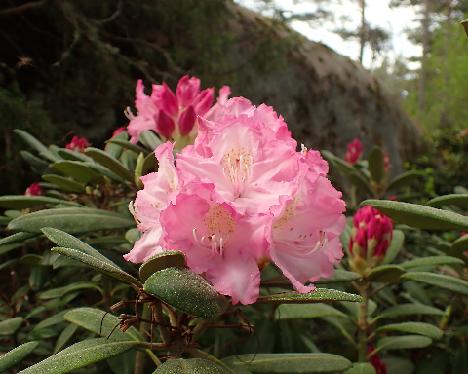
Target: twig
[{"x": 22, "y": 8}]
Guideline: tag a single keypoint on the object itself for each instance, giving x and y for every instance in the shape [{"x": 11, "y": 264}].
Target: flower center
[
  {"x": 219, "y": 225},
  {"x": 237, "y": 164}
]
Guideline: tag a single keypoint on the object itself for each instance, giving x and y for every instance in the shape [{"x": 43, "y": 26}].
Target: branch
[{"x": 22, "y": 8}]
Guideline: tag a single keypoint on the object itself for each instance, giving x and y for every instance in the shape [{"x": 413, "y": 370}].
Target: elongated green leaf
[
  {"x": 360, "y": 181},
  {"x": 395, "y": 247},
  {"x": 361, "y": 368},
  {"x": 64, "y": 183},
  {"x": 439, "y": 280},
  {"x": 80, "y": 171},
  {"x": 404, "y": 179},
  {"x": 376, "y": 164},
  {"x": 319, "y": 310},
  {"x": 113, "y": 149},
  {"x": 190, "y": 366},
  {"x": 460, "y": 245},
  {"x": 404, "y": 310},
  {"x": 126, "y": 144},
  {"x": 163, "y": 260},
  {"x": 97, "y": 264},
  {"x": 403, "y": 342},
  {"x": 186, "y": 291},
  {"x": 10, "y": 325},
  {"x": 65, "y": 336},
  {"x": 149, "y": 139},
  {"x": 419, "y": 216},
  {"x": 431, "y": 261},
  {"x": 420, "y": 328},
  {"x": 341, "y": 276},
  {"x": 36, "y": 163},
  {"x": 343, "y": 166},
  {"x": 316, "y": 296},
  {"x": 290, "y": 363},
  {"x": 101, "y": 323},
  {"x": 460, "y": 200},
  {"x": 61, "y": 291},
  {"x": 109, "y": 162},
  {"x": 66, "y": 240},
  {"x": 80, "y": 355},
  {"x": 15, "y": 356},
  {"x": 36, "y": 145},
  {"x": 5, "y": 248},
  {"x": 18, "y": 237},
  {"x": 70, "y": 155},
  {"x": 23, "y": 201},
  {"x": 386, "y": 273},
  {"x": 72, "y": 220}
]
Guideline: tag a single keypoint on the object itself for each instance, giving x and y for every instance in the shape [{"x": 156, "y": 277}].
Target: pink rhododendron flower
[
  {"x": 241, "y": 196},
  {"x": 77, "y": 143},
  {"x": 371, "y": 237},
  {"x": 353, "y": 151},
  {"x": 172, "y": 115},
  {"x": 34, "y": 189}
]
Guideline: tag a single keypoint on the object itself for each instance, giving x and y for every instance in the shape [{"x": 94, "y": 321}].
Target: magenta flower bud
[
  {"x": 187, "y": 89},
  {"x": 165, "y": 125},
  {"x": 371, "y": 237},
  {"x": 353, "y": 151},
  {"x": 203, "y": 102},
  {"x": 34, "y": 189},
  {"x": 187, "y": 120},
  {"x": 167, "y": 101}
]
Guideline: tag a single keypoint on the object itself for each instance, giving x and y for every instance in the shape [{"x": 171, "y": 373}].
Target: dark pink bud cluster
[
  {"x": 34, "y": 189},
  {"x": 376, "y": 362},
  {"x": 353, "y": 151},
  {"x": 372, "y": 233},
  {"x": 77, "y": 143}
]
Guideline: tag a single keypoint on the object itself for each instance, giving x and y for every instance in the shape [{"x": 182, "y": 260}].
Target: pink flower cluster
[
  {"x": 353, "y": 151},
  {"x": 239, "y": 197},
  {"x": 77, "y": 143},
  {"x": 34, "y": 189},
  {"x": 372, "y": 233},
  {"x": 172, "y": 115}
]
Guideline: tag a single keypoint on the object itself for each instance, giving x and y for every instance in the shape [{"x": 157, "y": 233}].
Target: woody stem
[{"x": 363, "y": 326}]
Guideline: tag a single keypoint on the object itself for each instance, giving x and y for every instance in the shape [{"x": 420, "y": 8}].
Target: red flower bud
[
  {"x": 34, "y": 189},
  {"x": 165, "y": 125},
  {"x": 376, "y": 362},
  {"x": 77, "y": 143},
  {"x": 353, "y": 151}
]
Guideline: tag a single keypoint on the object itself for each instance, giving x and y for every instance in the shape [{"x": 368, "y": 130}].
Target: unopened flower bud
[
  {"x": 34, "y": 189},
  {"x": 187, "y": 120},
  {"x": 165, "y": 124},
  {"x": 353, "y": 151},
  {"x": 77, "y": 143}
]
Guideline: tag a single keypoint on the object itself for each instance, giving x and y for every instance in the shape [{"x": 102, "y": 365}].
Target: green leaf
[
  {"x": 460, "y": 245},
  {"x": 431, "y": 261},
  {"x": 65, "y": 336},
  {"x": 419, "y": 216},
  {"x": 70, "y": 155},
  {"x": 36, "y": 163},
  {"x": 78, "y": 170},
  {"x": 109, "y": 162},
  {"x": 126, "y": 144},
  {"x": 149, "y": 139},
  {"x": 386, "y": 273},
  {"x": 420, "y": 328},
  {"x": 403, "y": 342},
  {"x": 395, "y": 247},
  {"x": 101, "y": 323},
  {"x": 340, "y": 275},
  {"x": 64, "y": 183},
  {"x": 460, "y": 200},
  {"x": 404, "y": 179},
  {"x": 36, "y": 145},
  {"x": 186, "y": 291},
  {"x": 360, "y": 368},
  {"x": 80, "y": 355},
  {"x": 398, "y": 365},
  {"x": 163, "y": 260},
  {"x": 404, "y": 310},
  {"x": 439, "y": 280},
  {"x": 190, "y": 366},
  {"x": 16, "y": 355},
  {"x": 97, "y": 264},
  {"x": 376, "y": 164},
  {"x": 61, "y": 291},
  {"x": 10, "y": 325},
  {"x": 72, "y": 220},
  {"x": 113, "y": 149},
  {"x": 66, "y": 240},
  {"x": 316, "y": 296},
  {"x": 319, "y": 310},
  {"x": 360, "y": 181},
  {"x": 289, "y": 363},
  {"x": 19, "y": 237},
  {"x": 23, "y": 201}
]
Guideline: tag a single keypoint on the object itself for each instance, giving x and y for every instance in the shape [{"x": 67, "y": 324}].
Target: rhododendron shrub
[
  {"x": 239, "y": 233},
  {"x": 239, "y": 197}
]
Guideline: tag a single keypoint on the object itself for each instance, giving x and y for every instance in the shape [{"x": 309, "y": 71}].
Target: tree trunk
[
  {"x": 362, "y": 31},
  {"x": 425, "y": 23}
]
